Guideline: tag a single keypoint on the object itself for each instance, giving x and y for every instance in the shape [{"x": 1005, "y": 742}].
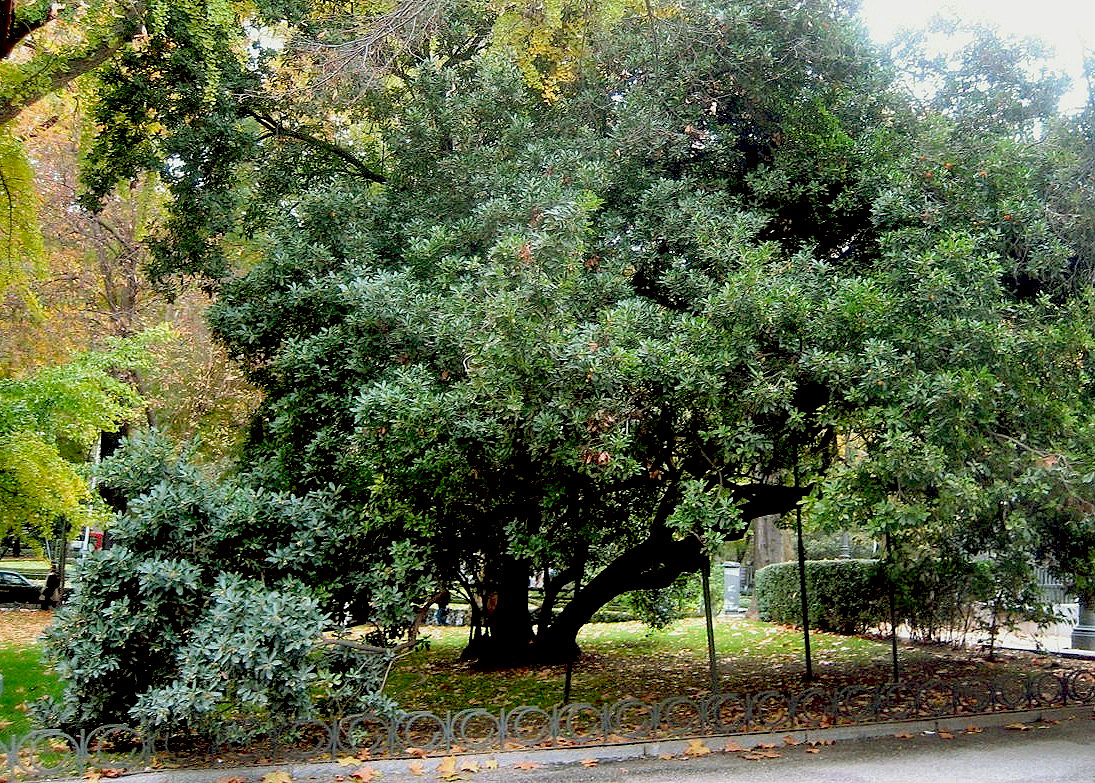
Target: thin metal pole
[
  {"x": 802, "y": 581},
  {"x": 711, "y": 662},
  {"x": 893, "y": 609}
]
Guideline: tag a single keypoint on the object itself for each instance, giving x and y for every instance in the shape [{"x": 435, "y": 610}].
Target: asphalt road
[{"x": 1061, "y": 752}]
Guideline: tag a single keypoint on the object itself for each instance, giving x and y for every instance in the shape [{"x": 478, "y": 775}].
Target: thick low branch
[
  {"x": 59, "y": 76},
  {"x": 651, "y": 565},
  {"x": 760, "y": 500},
  {"x": 654, "y": 564}
]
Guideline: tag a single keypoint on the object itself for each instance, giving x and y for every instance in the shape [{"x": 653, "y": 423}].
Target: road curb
[{"x": 541, "y": 757}]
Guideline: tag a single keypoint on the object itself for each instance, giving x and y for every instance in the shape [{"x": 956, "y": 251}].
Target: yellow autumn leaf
[
  {"x": 277, "y": 776},
  {"x": 416, "y": 768},
  {"x": 696, "y": 748}
]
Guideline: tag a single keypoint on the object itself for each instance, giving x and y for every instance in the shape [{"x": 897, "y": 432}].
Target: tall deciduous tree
[{"x": 48, "y": 421}]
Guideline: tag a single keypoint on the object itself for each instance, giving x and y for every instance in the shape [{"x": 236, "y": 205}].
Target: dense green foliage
[
  {"x": 200, "y": 609},
  {"x": 595, "y": 335},
  {"x": 843, "y": 596}
]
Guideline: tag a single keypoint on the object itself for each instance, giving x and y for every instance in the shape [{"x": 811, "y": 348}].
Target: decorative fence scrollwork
[{"x": 53, "y": 753}]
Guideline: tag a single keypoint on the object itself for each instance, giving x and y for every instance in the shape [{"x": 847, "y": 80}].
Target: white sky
[{"x": 1068, "y": 25}]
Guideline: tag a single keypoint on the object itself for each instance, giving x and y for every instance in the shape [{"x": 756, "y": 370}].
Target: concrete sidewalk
[{"x": 1054, "y": 638}]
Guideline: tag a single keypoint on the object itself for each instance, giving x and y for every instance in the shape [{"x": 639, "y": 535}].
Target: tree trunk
[
  {"x": 509, "y": 625},
  {"x": 769, "y": 545}
]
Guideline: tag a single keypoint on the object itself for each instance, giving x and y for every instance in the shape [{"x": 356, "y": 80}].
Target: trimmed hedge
[{"x": 843, "y": 596}]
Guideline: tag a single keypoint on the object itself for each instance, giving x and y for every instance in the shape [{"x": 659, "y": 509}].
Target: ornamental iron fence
[{"x": 55, "y": 753}]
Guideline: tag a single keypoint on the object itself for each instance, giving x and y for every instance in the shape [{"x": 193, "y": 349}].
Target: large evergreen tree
[{"x": 592, "y": 324}]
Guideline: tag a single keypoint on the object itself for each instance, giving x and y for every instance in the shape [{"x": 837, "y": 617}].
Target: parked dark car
[{"x": 17, "y": 589}]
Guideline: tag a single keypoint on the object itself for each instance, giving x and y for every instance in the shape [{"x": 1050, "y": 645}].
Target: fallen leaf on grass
[
  {"x": 365, "y": 774},
  {"x": 4, "y": 724},
  {"x": 763, "y": 746},
  {"x": 416, "y": 768},
  {"x": 696, "y": 748},
  {"x": 526, "y": 765},
  {"x": 946, "y": 735},
  {"x": 1018, "y": 727},
  {"x": 974, "y": 729},
  {"x": 277, "y": 776},
  {"x": 789, "y": 740},
  {"x": 348, "y": 761},
  {"x": 732, "y": 747},
  {"x": 588, "y": 762},
  {"x": 418, "y": 753}
]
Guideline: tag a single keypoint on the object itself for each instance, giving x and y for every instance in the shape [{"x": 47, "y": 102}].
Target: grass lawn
[
  {"x": 618, "y": 660},
  {"x": 25, "y": 676},
  {"x": 627, "y": 659}
]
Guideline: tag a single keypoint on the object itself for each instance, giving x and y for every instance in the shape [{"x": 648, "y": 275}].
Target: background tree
[{"x": 48, "y": 422}]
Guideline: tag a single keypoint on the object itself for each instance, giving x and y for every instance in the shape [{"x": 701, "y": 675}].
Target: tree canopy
[{"x": 587, "y": 308}]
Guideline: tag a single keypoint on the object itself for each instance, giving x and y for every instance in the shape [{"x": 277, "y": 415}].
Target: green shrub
[
  {"x": 207, "y": 612},
  {"x": 843, "y": 596}
]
